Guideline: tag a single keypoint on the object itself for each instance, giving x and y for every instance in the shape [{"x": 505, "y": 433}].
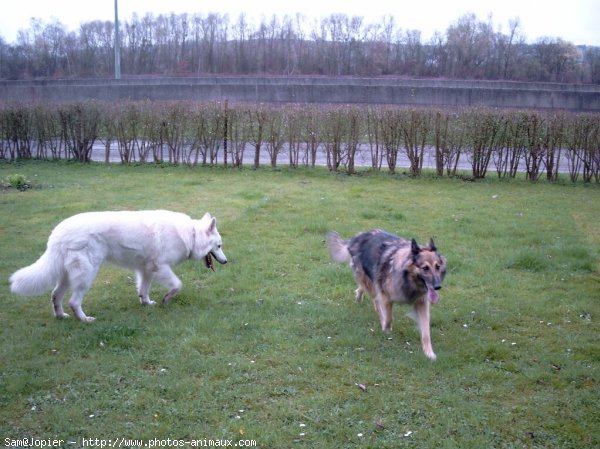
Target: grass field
[{"x": 273, "y": 348}]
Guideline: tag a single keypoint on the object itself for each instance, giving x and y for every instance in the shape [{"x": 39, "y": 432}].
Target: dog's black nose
[{"x": 438, "y": 287}]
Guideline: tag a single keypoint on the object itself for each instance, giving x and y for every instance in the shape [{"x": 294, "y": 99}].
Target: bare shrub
[
  {"x": 155, "y": 127},
  {"x": 415, "y": 125},
  {"x": 483, "y": 137},
  {"x": 256, "y": 116},
  {"x": 127, "y": 125},
  {"x": 274, "y": 132},
  {"x": 49, "y": 139},
  {"x": 333, "y": 134},
  {"x": 507, "y": 156},
  {"x": 311, "y": 118},
  {"x": 206, "y": 134},
  {"x": 80, "y": 123},
  {"x": 535, "y": 152},
  {"x": 17, "y": 132},
  {"x": 589, "y": 155},
  {"x": 293, "y": 128},
  {"x": 581, "y": 141},
  {"x": 353, "y": 135},
  {"x": 192, "y": 133},
  {"x": 374, "y": 136},
  {"x": 552, "y": 139},
  {"x": 391, "y": 135},
  {"x": 238, "y": 135},
  {"x": 175, "y": 123},
  {"x": 452, "y": 142}
]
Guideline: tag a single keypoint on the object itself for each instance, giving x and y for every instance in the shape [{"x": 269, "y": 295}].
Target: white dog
[{"x": 148, "y": 242}]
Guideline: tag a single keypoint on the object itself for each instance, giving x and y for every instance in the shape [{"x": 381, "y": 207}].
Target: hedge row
[{"x": 538, "y": 143}]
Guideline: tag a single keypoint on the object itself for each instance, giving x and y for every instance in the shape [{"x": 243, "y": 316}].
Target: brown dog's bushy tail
[{"x": 338, "y": 248}]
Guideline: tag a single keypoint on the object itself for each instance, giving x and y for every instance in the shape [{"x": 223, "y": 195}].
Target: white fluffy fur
[{"x": 148, "y": 242}]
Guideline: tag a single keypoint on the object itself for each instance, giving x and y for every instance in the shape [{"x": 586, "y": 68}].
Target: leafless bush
[
  {"x": 594, "y": 147},
  {"x": 256, "y": 117},
  {"x": 274, "y": 132},
  {"x": 207, "y": 130},
  {"x": 353, "y": 136},
  {"x": 415, "y": 125},
  {"x": 374, "y": 136},
  {"x": 391, "y": 135},
  {"x": 552, "y": 139},
  {"x": 451, "y": 142},
  {"x": 535, "y": 152},
  {"x": 79, "y": 128},
  {"x": 333, "y": 134},
  {"x": 440, "y": 139},
  {"x": 4, "y": 147},
  {"x": 581, "y": 134},
  {"x": 107, "y": 132},
  {"x": 508, "y": 155},
  {"x": 155, "y": 130},
  {"x": 483, "y": 137},
  {"x": 175, "y": 123},
  {"x": 17, "y": 132},
  {"x": 49, "y": 139},
  {"x": 238, "y": 135},
  {"x": 536, "y": 142},
  {"x": 587, "y": 127},
  {"x": 312, "y": 134},
  {"x": 128, "y": 127},
  {"x": 293, "y": 124}
]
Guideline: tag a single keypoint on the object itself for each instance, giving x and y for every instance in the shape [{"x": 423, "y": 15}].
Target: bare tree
[
  {"x": 514, "y": 25},
  {"x": 185, "y": 44}
]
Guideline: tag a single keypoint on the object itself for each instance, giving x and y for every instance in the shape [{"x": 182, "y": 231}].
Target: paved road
[{"x": 362, "y": 159}]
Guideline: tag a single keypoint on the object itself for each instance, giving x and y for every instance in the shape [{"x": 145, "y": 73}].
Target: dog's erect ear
[
  {"x": 415, "y": 248},
  {"x": 213, "y": 225},
  {"x": 432, "y": 246}
]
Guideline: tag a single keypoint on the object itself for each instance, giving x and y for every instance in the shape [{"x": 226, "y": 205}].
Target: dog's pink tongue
[{"x": 433, "y": 295}]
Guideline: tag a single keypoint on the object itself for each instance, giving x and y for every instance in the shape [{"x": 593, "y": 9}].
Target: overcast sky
[{"x": 576, "y": 21}]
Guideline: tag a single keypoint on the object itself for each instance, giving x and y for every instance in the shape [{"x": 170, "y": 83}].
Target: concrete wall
[{"x": 313, "y": 90}]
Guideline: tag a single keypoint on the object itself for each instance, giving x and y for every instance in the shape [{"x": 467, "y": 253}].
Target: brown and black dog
[{"x": 392, "y": 269}]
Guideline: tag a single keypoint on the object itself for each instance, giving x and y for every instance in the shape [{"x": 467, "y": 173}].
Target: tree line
[
  {"x": 505, "y": 142},
  {"x": 337, "y": 45}
]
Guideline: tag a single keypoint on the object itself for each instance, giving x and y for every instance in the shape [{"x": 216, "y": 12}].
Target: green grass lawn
[{"x": 273, "y": 348}]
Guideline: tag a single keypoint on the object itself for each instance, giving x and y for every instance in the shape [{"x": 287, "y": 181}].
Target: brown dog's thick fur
[{"x": 391, "y": 270}]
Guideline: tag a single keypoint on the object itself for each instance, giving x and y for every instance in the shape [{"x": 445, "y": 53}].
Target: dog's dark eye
[
  {"x": 437, "y": 267},
  {"x": 426, "y": 268}
]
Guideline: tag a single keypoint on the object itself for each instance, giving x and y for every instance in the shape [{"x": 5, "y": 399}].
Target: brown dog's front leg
[
  {"x": 423, "y": 318},
  {"x": 383, "y": 305}
]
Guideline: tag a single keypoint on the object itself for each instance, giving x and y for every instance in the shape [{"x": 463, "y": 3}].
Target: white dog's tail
[
  {"x": 38, "y": 277},
  {"x": 338, "y": 248}
]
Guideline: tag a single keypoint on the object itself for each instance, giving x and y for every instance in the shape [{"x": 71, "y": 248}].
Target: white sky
[{"x": 576, "y": 21}]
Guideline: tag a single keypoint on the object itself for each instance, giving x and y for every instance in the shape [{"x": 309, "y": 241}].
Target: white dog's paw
[
  {"x": 146, "y": 301},
  {"x": 62, "y": 316},
  {"x": 431, "y": 355},
  {"x": 89, "y": 319}
]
